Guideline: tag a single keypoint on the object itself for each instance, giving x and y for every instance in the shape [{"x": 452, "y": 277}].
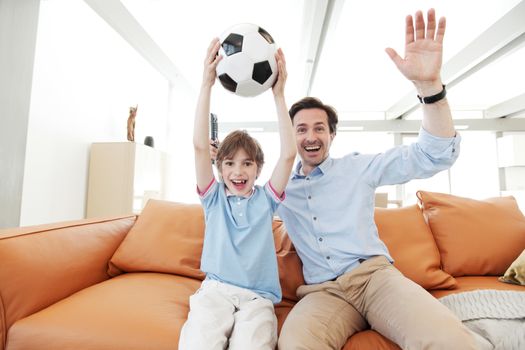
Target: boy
[{"x": 234, "y": 306}]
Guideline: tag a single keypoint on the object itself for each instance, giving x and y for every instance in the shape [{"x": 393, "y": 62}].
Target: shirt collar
[
  {"x": 229, "y": 194},
  {"x": 321, "y": 169}
]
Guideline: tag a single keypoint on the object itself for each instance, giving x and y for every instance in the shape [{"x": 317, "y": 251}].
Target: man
[{"x": 329, "y": 215}]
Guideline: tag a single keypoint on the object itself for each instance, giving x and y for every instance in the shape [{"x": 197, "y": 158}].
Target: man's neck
[{"x": 307, "y": 169}]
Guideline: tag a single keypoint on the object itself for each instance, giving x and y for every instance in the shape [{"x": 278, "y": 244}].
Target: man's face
[{"x": 313, "y": 137}]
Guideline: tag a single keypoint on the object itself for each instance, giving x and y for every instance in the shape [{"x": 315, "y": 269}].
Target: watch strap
[{"x": 434, "y": 98}]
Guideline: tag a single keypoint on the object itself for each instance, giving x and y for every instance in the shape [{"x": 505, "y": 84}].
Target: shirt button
[
  {"x": 327, "y": 258},
  {"x": 320, "y": 239},
  {"x": 239, "y": 203},
  {"x": 309, "y": 197},
  {"x": 315, "y": 218},
  {"x": 240, "y": 214},
  {"x": 307, "y": 178}
]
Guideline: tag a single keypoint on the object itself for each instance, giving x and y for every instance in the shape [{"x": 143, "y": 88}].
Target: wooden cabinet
[{"x": 122, "y": 177}]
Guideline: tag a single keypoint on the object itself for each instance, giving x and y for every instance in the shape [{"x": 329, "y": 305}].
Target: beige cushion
[
  {"x": 515, "y": 274},
  {"x": 474, "y": 237},
  {"x": 412, "y": 246}
]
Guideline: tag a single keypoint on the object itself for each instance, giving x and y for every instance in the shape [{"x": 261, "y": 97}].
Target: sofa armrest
[{"x": 41, "y": 265}]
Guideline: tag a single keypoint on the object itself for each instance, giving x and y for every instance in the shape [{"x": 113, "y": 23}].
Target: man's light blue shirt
[
  {"x": 238, "y": 243},
  {"x": 329, "y": 214}
]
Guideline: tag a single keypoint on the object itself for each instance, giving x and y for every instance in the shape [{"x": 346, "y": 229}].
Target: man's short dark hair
[{"x": 313, "y": 102}]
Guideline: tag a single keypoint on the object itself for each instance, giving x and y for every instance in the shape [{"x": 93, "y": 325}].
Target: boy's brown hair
[{"x": 236, "y": 140}]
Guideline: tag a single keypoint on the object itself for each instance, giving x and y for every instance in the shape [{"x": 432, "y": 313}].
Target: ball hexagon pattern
[{"x": 248, "y": 67}]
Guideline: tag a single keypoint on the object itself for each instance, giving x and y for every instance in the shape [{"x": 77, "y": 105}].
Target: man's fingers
[
  {"x": 420, "y": 26},
  {"x": 394, "y": 56},
  {"x": 409, "y": 31},
  {"x": 441, "y": 30},
  {"x": 431, "y": 24}
]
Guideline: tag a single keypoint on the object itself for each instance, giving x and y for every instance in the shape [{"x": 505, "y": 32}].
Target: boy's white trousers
[{"x": 223, "y": 316}]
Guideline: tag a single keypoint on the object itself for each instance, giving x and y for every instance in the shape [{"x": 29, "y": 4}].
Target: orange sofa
[{"x": 124, "y": 283}]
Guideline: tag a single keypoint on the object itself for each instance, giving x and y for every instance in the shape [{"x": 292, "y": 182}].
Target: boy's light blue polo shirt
[
  {"x": 329, "y": 214},
  {"x": 238, "y": 244}
]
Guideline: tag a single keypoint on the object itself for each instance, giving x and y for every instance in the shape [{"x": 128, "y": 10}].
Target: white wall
[
  {"x": 18, "y": 26},
  {"x": 85, "y": 79}
]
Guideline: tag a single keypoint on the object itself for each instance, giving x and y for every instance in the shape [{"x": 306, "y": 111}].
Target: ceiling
[{"x": 335, "y": 51}]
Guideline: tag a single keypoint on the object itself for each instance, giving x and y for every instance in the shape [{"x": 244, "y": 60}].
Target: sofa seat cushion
[
  {"x": 370, "y": 339},
  {"x": 469, "y": 283},
  {"x": 132, "y": 311},
  {"x": 475, "y": 237}
]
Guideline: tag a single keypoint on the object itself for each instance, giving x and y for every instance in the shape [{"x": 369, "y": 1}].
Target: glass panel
[{"x": 475, "y": 173}]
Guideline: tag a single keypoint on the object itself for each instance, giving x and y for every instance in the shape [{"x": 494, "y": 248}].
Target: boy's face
[
  {"x": 313, "y": 137},
  {"x": 239, "y": 173}
]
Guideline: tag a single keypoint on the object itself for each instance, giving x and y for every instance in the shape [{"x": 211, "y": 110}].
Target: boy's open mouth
[{"x": 239, "y": 182}]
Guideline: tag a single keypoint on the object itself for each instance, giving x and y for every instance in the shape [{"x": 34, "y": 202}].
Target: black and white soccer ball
[{"x": 248, "y": 65}]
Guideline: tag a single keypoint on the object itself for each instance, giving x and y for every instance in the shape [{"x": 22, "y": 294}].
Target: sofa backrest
[{"x": 168, "y": 237}]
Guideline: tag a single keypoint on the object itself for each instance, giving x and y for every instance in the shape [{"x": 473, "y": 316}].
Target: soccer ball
[{"x": 248, "y": 65}]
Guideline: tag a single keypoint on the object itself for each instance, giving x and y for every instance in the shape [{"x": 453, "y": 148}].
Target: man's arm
[
  {"x": 203, "y": 167},
  {"x": 281, "y": 172},
  {"x": 422, "y": 65}
]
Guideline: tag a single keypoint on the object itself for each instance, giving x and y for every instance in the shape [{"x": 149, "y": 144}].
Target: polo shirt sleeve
[
  {"x": 424, "y": 158},
  {"x": 273, "y": 197},
  {"x": 209, "y": 194}
]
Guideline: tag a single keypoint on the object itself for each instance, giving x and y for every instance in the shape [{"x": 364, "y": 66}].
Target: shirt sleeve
[
  {"x": 273, "y": 197},
  {"x": 208, "y": 194},
  {"x": 424, "y": 158}
]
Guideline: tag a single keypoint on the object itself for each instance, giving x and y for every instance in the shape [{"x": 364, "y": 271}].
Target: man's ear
[{"x": 332, "y": 135}]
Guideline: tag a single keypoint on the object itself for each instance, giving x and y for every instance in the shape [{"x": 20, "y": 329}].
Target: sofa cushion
[
  {"x": 132, "y": 311},
  {"x": 412, "y": 246},
  {"x": 167, "y": 237},
  {"x": 474, "y": 237},
  {"x": 289, "y": 264},
  {"x": 369, "y": 339},
  {"x": 470, "y": 283}
]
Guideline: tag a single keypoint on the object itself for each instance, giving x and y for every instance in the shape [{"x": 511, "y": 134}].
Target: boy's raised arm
[
  {"x": 203, "y": 166},
  {"x": 281, "y": 172}
]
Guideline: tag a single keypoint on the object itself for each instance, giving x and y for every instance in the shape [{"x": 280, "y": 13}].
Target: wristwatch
[{"x": 434, "y": 98}]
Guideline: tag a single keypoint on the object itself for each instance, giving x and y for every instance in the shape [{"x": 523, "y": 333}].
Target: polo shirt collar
[{"x": 229, "y": 194}]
